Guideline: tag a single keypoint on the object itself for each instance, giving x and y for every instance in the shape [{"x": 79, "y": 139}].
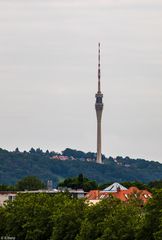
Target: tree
[
  {"x": 155, "y": 184},
  {"x": 139, "y": 185},
  {"x": 67, "y": 219},
  {"x": 32, "y": 151},
  {"x": 152, "y": 227},
  {"x": 4, "y": 187},
  {"x": 79, "y": 182},
  {"x": 92, "y": 225},
  {"x": 73, "y": 153},
  {"x": 41, "y": 216},
  {"x": 29, "y": 183},
  {"x": 29, "y": 216},
  {"x": 111, "y": 219},
  {"x": 17, "y": 150},
  {"x": 123, "y": 222},
  {"x": 80, "y": 178},
  {"x": 2, "y": 221}
]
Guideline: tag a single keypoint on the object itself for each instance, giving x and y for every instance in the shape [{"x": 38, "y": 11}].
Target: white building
[{"x": 5, "y": 196}]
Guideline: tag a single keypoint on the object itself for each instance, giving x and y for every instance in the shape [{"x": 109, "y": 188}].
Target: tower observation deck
[{"x": 99, "y": 109}]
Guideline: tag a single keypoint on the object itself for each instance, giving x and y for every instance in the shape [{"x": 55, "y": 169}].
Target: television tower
[{"x": 99, "y": 109}]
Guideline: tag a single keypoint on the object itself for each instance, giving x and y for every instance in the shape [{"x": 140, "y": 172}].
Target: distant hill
[{"x": 47, "y": 165}]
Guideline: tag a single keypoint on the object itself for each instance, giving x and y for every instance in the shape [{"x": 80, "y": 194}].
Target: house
[
  {"x": 118, "y": 191},
  {"x": 5, "y": 196},
  {"x": 60, "y": 157}
]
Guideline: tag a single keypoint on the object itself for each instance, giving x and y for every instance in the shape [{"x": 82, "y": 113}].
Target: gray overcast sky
[{"x": 48, "y": 75}]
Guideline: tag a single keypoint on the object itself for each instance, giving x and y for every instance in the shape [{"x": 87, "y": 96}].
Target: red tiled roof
[
  {"x": 123, "y": 195},
  {"x": 93, "y": 195}
]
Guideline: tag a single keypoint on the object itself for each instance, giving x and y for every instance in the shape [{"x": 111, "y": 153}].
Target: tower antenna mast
[
  {"x": 99, "y": 109},
  {"x": 99, "y": 70}
]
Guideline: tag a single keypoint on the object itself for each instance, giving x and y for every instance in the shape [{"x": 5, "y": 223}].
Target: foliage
[
  {"x": 152, "y": 227},
  {"x": 92, "y": 226},
  {"x": 2, "y": 221},
  {"x": 29, "y": 183},
  {"x": 67, "y": 219},
  {"x": 123, "y": 222},
  {"x": 16, "y": 165},
  {"x": 155, "y": 184},
  {"x": 111, "y": 219},
  {"x": 137, "y": 184},
  {"x": 4, "y": 187},
  {"x": 29, "y": 216},
  {"x": 73, "y": 153},
  {"x": 79, "y": 182},
  {"x": 79, "y": 154},
  {"x": 59, "y": 217}
]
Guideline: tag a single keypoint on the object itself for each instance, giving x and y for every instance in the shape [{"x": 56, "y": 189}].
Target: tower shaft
[
  {"x": 99, "y": 154},
  {"x": 99, "y": 109}
]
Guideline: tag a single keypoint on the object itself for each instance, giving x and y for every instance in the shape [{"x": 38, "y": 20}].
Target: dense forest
[
  {"x": 46, "y": 165},
  {"x": 44, "y": 216}
]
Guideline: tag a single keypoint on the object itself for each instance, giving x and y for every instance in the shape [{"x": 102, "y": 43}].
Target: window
[
  {"x": 126, "y": 196},
  {"x": 99, "y": 100},
  {"x": 10, "y": 198},
  {"x": 102, "y": 196}
]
